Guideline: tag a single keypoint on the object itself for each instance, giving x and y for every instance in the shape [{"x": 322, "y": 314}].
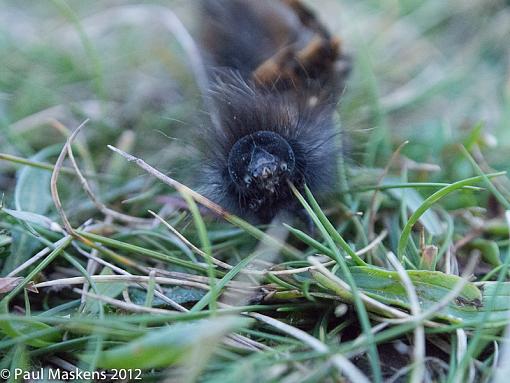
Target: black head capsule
[{"x": 259, "y": 164}]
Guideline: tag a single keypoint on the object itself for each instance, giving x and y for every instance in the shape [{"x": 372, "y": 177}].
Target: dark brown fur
[{"x": 274, "y": 69}]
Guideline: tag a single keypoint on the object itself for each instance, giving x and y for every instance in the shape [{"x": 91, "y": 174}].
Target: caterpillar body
[{"x": 276, "y": 77}]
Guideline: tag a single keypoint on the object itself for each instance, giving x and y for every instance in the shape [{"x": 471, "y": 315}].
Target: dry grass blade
[
  {"x": 377, "y": 241},
  {"x": 419, "y": 332},
  {"x": 129, "y": 307},
  {"x": 340, "y": 362},
  {"x": 99, "y": 205},
  {"x": 8, "y": 284},
  {"x": 35, "y": 258},
  {"x": 121, "y": 278},
  {"x": 391, "y": 311},
  {"x": 54, "y": 180}
]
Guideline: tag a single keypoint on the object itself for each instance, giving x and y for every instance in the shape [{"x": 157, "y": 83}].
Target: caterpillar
[{"x": 276, "y": 77}]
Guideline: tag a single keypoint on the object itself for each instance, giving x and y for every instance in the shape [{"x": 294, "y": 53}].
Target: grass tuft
[{"x": 109, "y": 260}]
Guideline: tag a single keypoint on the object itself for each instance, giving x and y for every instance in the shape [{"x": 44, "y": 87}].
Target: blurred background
[{"x": 424, "y": 71}]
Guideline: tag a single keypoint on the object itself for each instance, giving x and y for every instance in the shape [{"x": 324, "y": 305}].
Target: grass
[{"x": 108, "y": 260}]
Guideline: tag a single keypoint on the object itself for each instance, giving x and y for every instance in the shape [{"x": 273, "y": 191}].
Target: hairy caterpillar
[{"x": 277, "y": 75}]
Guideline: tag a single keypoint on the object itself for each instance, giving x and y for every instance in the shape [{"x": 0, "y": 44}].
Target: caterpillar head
[{"x": 260, "y": 164}]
